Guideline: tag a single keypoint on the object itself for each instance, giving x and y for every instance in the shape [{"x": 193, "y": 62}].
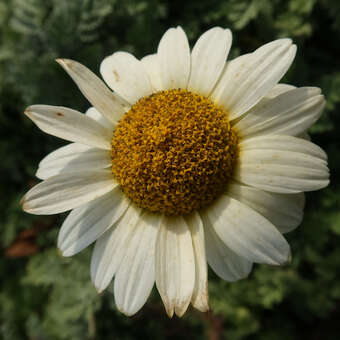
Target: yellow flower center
[{"x": 173, "y": 152}]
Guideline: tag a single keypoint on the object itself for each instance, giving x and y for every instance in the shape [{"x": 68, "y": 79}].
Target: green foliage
[
  {"x": 71, "y": 292},
  {"x": 45, "y": 296}
]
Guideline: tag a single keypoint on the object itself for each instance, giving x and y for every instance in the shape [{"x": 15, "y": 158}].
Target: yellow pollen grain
[{"x": 173, "y": 152}]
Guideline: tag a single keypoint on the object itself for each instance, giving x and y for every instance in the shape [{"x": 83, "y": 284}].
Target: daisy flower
[{"x": 186, "y": 160}]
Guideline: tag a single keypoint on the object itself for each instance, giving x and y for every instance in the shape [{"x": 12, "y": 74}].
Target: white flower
[{"x": 191, "y": 160}]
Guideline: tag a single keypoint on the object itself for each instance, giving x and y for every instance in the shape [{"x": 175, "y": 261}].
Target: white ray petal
[
  {"x": 71, "y": 125},
  {"x": 290, "y": 113},
  {"x": 126, "y": 75},
  {"x": 279, "y": 89},
  {"x": 151, "y": 64},
  {"x": 285, "y": 211},
  {"x": 174, "y": 59},
  {"x": 225, "y": 263},
  {"x": 67, "y": 191},
  {"x": 110, "y": 248},
  {"x": 87, "y": 223},
  {"x": 282, "y": 164},
  {"x": 109, "y": 104},
  {"x": 136, "y": 274},
  {"x": 93, "y": 113},
  {"x": 250, "y": 77},
  {"x": 71, "y": 158},
  {"x": 200, "y": 297},
  {"x": 246, "y": 232},
  {"x": 208, "y": 59},
  {"x": 175, "y": 265}
]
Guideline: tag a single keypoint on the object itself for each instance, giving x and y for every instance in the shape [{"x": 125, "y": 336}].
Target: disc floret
[{"x": 173, "y": 152}]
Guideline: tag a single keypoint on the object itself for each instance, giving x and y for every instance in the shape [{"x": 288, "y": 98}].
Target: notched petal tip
[
  {"x": 179, "y": 28},
  {"x": 169, "y": 309},
  {"x": 98, "y": 289},
  {"x": 25, "y": 205},
  {"x": 202, "y": 304},
  {"x": 202, "y": 308},
  {"x": 67, "y": 252},
  {"x": 65, "y": 63},
  {"x": 180, "y": 312},
  {"x": 23, "y": 202},
  {"x": 28, "y": 111},
  {"x": 169, "y": 312}
]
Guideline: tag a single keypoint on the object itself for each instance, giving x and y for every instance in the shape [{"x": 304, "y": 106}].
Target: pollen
[{"x": 174, "y": 152}]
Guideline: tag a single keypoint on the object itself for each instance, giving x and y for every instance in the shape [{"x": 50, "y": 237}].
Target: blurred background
[{"x": 44, "y": 296}]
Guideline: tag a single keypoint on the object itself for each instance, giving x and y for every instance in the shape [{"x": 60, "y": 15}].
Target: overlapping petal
[
  {"x": 70, "y": 125},
  {"x": 290, "y": 113},
  {"x": 285, "y": 211},
  {"x": 126, "y": 75},
  {"x": 72, "y": 158},
  {"x": 67, "y": 191},
  {"x": 249, "y": 78},
  {"x": 136, "y": 274},
  {"x": 278, "y": 89},
  {"x": 208, "y": 59},
  {"x": 95, "y": 115},
  {"x": 151, "y": 64},
  {"x": 246, "y": 232},
  {"x": 174, "y": 59},
  {"x": 225, "y": 263},
  {"x": 111, "y": 247},
  {"x": 86, "y": 224},
  {"x": 282, "y": 164},
  {"x": 109, "y": 104},
  {"x": 175, "y": 265},
  {"x": 199, "y": 297}
]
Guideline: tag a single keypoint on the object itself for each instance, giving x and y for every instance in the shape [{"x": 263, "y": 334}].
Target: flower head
[{"x": 186, "y": 160}]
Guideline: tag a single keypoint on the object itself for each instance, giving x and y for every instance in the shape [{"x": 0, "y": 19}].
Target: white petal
[
  {"x": 225, "y": 263},
  {"x": 67, "y": 191},
  {"x": 249, "y": 78},
  {"x": 246, "y": 232},
  {"x": 200, "y": 297},
  {"x": 285, "y": 211},
  {"x": 208, "y": 59},
  {"x": 286, "y": 143},
  {"x": 279, "y": 89},
  {"x": 71, "y": 125},
  {"x": 175, "y": 265},
  {"x": 71, "y": 158},
  {"x": 282, "y": 164},
  {"x": 136, "y": 274},
  {"x": 64, "y": 151},
  {"x": 110, "y": 248},
  {"x": 290, "y": 113},
  {"x": 94, "y": 114},
  {"x": 174, "y": 59},
  {"x": 126, "y": 75},
  {"x": 109, "y": 104},
  {"x": 87, "y": 223},
  {"x": 151, "y": 64}
]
